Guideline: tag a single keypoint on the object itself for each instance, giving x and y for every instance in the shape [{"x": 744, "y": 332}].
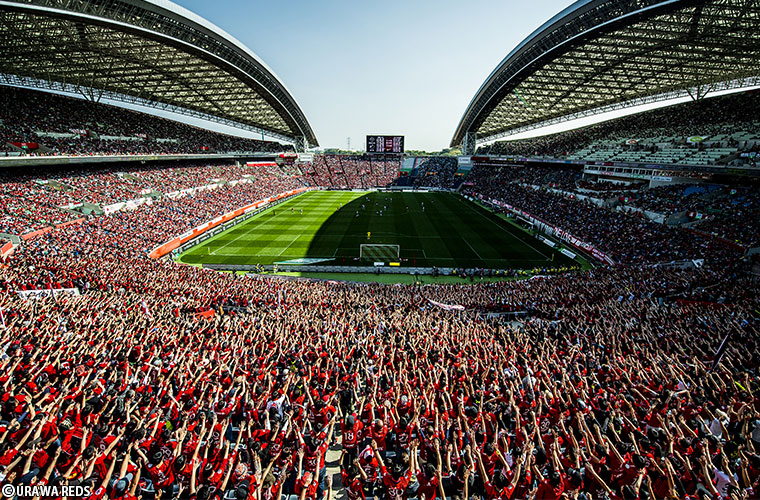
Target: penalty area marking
[
  {"x": 264, "y": 220},
  {"x": 475, "y": 251},
  {"x": 291, "y": 244}
]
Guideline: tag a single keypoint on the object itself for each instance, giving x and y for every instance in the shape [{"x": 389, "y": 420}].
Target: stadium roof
[
  {"x": 148, "y": 52},
  {"x": 600, "y": 55}
]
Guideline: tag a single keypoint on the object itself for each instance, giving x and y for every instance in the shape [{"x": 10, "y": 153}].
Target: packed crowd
[
  {"x": 731, "y": 212},
  {"x": 735, "y": 217},
  {"x": 559, "y": 177},
  {"x": 21, "y": 214},
  {"x": 604, "y": 186},
  {"x": 164, "y": 381},
  {"x": 626, "y": 239},
  {"x": 424, "y": 402},
  {"x": 38, "y": 197},
  {"x": 435, "y": 171},
  {"x": 61, "y": 125},
  {"x": 119, "y": 184},
  {"x": 719, "y": 116},
  {"x": 352, "y": 171},
  {"x": 678, "y": 198}
]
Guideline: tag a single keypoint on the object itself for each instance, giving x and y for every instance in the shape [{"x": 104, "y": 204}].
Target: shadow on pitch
[{"x": 339, "y": 237}]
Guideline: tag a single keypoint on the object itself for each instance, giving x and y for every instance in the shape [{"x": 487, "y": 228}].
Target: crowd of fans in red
[
  {"x": 352, "y": 171},
  {"x": 167, "y": 381},
  {"x": 32, "y": 200},
  {"x": 79, "y": 127}
]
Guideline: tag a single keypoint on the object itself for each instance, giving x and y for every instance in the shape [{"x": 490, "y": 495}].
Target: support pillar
[{"x": 469, "y": 143}]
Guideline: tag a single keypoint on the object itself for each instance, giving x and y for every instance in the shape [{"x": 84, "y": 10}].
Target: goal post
[{"x": 377, "y": 252}]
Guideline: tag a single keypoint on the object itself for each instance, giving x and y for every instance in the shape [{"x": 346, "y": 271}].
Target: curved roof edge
[
  {"x": 195, "y": 18},
  {"x": 286, "y": 106},
  {"x": 719, "y": 89},
  {"x": 571, "y": 13},
  {"x": 124, "y": 101}
]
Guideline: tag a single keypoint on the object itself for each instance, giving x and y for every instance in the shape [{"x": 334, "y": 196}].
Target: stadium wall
[
  {"x": 175, "y": 243},
  {"x": 34, "y": 234}
]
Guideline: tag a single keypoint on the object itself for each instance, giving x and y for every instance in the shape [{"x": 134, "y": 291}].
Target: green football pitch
[{"x": 328, "y": 228}]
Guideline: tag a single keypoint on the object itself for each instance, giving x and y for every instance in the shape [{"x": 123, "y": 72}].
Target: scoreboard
[{"x": 385, "y": 144}]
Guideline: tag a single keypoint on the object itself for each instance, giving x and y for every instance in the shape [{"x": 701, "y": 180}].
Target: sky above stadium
[{"x": 406, "y": 67}]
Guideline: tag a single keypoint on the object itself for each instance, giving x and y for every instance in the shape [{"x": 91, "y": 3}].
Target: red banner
[
  {"x": 206, "y": 314},
  {"x": 26, "y": 145},
  {"x": 6, "y": 249},
  {"x": 167, "y": 247}
]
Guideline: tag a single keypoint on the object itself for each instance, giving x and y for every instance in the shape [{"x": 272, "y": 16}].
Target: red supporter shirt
[
  {"x": 311, "y": 491},
  {"x": 428, "y": 486},
  {"x": 351, "y": 435},
  {"x": 162, "y": 474},
  {"x": 310, "y": 459},
  {"x": 395, "y": 489},
  {"x": 494, "y": 493},
  {"x": 547, "y": 492},
  {"x": 354, "y": 489}
]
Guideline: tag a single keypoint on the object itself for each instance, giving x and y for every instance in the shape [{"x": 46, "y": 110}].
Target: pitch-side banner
[{"x": 553, "y": 230}]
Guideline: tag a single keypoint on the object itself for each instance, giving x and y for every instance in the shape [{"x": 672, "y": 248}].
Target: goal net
[{"x": 378, "y": 253}]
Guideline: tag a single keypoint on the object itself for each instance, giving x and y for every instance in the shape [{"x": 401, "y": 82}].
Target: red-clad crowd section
[{"x": 138, "y": 378}]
